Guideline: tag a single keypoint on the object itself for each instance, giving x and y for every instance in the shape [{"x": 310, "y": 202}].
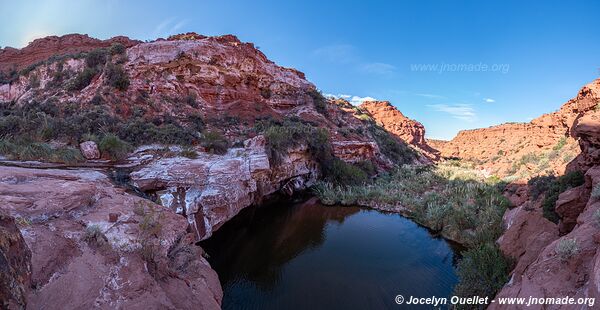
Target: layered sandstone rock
[
  {"x": 42, "y": 49},
  {"x": 228, "y": 83},
  {"x": 82, "y": 259},
  {"x": 542, "y": 145},
  {"x": 211, "y": 189},
  {"x": 534, "y": 242},
  {"x": 392, "y": 120}
]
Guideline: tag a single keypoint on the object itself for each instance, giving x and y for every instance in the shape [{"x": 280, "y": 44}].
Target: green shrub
[
  {"x": 191, "y": 100},
  {"x": 560, "y": 144},
  {"x": 319, "y": 101},
  {"x": 215, "y": 142},
  {"x": 529, "y": 158},
  {"x": 283, "y": 135},
  {"x": 566, "y": 248},
  {"x": 83, "y": 79},
  {"x": 482, "y": 272},
  {"x": 392, "y": 147},
  {"x": 117, "y": 77},
  {"x": 540, "y": 184},
  {"x": 139, "y": 131},
  {"x": 96, "y": 58},
  {"x": 195, "y": 122},
  {"x": 189, "y": 153},
  {"x": 34, "y": 81},
  {"x": 113, "y": 146},
  {"x": 94, "y": 236},
  {"x": 67, "y": 155},
  {"x": 25, "y": 149},
  {"x": 368, "y": 167},
  {"x": 117, "y": 49},
  {"x": 436, "y": 215},
  {"x": 561, "y": 184},
  {"x": 7, "y": 77},
  {"x": 339, "y": 172}
]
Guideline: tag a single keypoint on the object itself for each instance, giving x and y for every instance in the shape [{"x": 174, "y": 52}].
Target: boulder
[
  {"x": 89, "y": 150},
  {"x": 569, "y": 205}
]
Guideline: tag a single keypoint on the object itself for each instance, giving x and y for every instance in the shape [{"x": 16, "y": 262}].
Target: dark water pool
[{"x": 309, "y": 256}]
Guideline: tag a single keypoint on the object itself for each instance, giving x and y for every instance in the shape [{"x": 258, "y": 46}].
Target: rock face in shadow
[
  {"x": 544, "y": 144},
  {"x": 15, "y": 264},
  {"x": 543, "y": 269},
  {"x": 392, "y": 120},
  {"x": 81, "y": 257}
]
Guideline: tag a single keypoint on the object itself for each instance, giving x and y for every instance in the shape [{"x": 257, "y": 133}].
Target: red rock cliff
[
  {"x": 42, "y": 49},
  {"x": 392, "y": 120},
  {"x": 526, "y": 148}
]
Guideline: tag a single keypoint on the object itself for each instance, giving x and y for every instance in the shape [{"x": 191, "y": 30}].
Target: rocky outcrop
[
  {"x": 392, "y": 120},
  {"x": 544, "y": 268},
  {"x": 505, "y": 147},
  {"x": 15, "y": 263},
  {"x": 44, "y": 48},
  {"x": 82, "y": 257},
  {"x": 211, "y": 189}
]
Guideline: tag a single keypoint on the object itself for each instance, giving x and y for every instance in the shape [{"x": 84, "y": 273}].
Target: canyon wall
[
  {"x": 523, "y": 149},
  {"x": 392, "y": 120},
  {"x": 545, "y": 266},
  {"x": 118, "y": 249},
  {"x": 44, "y": 48}
]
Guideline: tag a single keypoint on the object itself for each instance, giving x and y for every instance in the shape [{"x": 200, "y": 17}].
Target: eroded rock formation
[
  {"x": 545, "y": 267},
  {"x": 80, "y": 258},
  {"x": 544, "y": 144},
  {"x": 211, "y": 189},
  {"x": 43, "y": 48},
  {"x": 411, "y": 131}
]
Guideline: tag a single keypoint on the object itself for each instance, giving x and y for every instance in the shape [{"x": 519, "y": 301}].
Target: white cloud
[
  {"x": 459, "y": 111},
  {"x": 378, "y": 68},
  {"x": 432, "y": 96},
  {"x": 354, "y": 100},
  {"x": 489, "y": 100}
]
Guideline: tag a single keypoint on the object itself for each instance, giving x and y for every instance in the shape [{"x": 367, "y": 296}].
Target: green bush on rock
[
  {"x": 482, "y": 271},
  {"x": 114, "y": 147},
  {"x": 281, "y": 136}
]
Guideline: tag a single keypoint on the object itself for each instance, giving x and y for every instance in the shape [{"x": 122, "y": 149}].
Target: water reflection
[{"x": 311, "y": 256}]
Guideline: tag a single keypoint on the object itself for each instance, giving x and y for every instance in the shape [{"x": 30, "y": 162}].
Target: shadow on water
[{"x": 305, "y": 255}]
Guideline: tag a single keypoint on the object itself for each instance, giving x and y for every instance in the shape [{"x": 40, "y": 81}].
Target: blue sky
[{"x": 427, "y": 57}]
